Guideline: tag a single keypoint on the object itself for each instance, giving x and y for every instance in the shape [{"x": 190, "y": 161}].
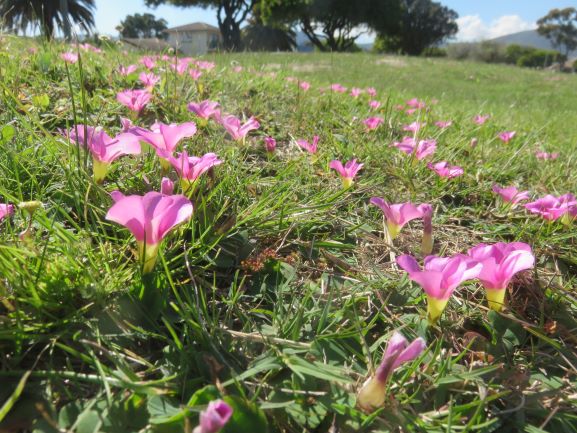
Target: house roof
[
  {"x": 150, "y": 44},
  {"x": 193, "y": 27}
]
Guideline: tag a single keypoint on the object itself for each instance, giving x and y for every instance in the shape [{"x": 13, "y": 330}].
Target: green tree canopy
[
  {"x": 331, "y": 24},
  {"x": 142, "y": 26},
  {"x": 560, "y": 27},
  {"x": 20, "y": 15},
  {"x": 422, "y": 23},
  {"x": 230, "y": 14}
]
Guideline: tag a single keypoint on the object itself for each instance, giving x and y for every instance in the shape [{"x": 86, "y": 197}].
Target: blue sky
[{"x": 479, "y": 19}]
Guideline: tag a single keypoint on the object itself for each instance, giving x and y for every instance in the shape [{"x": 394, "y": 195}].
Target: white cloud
[{"x": 473, "y": 28}]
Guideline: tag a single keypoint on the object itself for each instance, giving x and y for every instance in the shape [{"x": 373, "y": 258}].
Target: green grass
[{"x": 280, "y": 293}]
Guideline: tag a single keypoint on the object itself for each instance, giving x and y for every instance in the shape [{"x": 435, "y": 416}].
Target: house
[{"x": 194, "y": 39}]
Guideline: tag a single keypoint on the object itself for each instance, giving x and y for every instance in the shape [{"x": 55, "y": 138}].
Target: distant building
[{"x": 194, "y": 39}]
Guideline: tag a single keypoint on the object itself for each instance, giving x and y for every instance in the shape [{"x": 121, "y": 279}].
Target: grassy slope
[{"x": 298, "y": 334}]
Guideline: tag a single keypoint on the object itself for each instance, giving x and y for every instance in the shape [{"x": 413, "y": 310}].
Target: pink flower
[
  {"x": 443, "y": 169},
  {"x": 180, "y": 67},
  {"x": 148, "y": 62},
  {"x": 270, "y": 144},
  {"x": 134, "y": 100},
  {"x": 545, "y": 156},
  {"x": 506, "y": 136},
  {"x": 440, "y": 277},
  {"x": 398, "y": 351},
  {"x": 355, "y": 92},
  {"x": 499, "y": 263},
  {"x": 413, "y": 127},
  {"x": 415, "y": 103},
  {"x": 443, "y": 124},
  {"x": 214, "y": 418},
  {"x": 69, "y": 57},
  {"x": 166, "y": 186},
  {"x": 552, "y": 208},
  {"x": 237, "y": 130},
  {"x": 237, "y": 69},
  {"x": 195, "y": 74},
  {"x": 190, "y": 168},
  {"x": 207, "y": 66},
  {"x": 309, "y": 147},
  {"x": 148, "y": 80},
  {"x": 126, "y": 124},
  {"x": 149, "y": 218},
  {"x": 165, "y": 138},
  {"x": 103, "y": 148},
  {"x": 480, "y": 119},
  {"x": 373, "y": 122},
  {"x": 204, "y": 109},
  {"x": 371, "y": 91},
  {"x": 374, "y": 104},
  {"x": 421, "y": 150},
  {"x": 6, "y": 210},
  {"x": 305, "y": 85},
  {"x": 347, "y": 172},
  {"x": 397, "y": 215},
  {"x": 338, "y": 88},
  {"x": 88, "y": 47},
  {"x": 510, "y": 194},
  {"x": 127, "y": 70}
]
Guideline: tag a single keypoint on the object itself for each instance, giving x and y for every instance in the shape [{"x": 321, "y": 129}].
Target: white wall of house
[{"x": 191, "y": 43}]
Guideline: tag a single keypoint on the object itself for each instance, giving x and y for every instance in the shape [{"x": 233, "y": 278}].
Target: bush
[
  {"x": 540, "y": 58},
  {"x": 490, "y": 52},
  {"x": 434, "y": 52},
  {"x": 461, "y": 51},
  {"x": 515, "y": 52}
]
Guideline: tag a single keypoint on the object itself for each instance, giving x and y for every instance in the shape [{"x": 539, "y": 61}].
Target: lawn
[{"x": 280, "y": 291}]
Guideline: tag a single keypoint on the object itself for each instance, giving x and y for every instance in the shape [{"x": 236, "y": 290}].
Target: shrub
[
  {"x": 540, "y": 58},
  {"x": 434, "y": 52}
]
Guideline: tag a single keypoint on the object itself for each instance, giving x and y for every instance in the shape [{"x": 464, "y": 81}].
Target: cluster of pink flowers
[
  {"x": 549, "y": 207},
  {"x": 546, "y": 156},
  {"x": 552, "y": 208},
  {"x": 493, "y": 265},
  {"x": 444, "y": 169},
  {"x": 420, "y": 150}
]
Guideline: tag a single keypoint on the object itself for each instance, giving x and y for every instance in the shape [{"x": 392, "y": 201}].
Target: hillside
[{"x": 528, "y": 38}]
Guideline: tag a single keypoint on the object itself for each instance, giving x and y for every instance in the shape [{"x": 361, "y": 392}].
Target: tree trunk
[
  {"x": 230, "y": 30},
  {"x": 47, "y": 24}
]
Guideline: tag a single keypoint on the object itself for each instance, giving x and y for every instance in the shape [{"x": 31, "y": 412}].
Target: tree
[
  {"x": 230, "y": 14},
  {"x": 142, "y": 26},
  {"x": 423, "y": 23},
  {"x": 260, "y": 37},
  {"x": 560, "y": 27},
  {"x": 331, "y": 25},
  {"x": 19, "y": 15}
]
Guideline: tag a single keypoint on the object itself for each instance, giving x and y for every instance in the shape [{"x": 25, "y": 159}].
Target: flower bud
[{"x": 30, "y": 206}]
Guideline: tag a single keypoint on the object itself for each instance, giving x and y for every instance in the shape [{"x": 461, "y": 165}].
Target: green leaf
[
  {"x": 507, "y": 332},
  {"x": 89, "y": 421},
  {"x": 8, "y": 132},
  {"x": 42, "y": 101},
  {"x": 462, "y": 377},
  {"x": 316, "y": 369},
  {"x": 163, "y": 412},
  {"x": 246, "y": 417},
  {"x": 204, "y": 396}
]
